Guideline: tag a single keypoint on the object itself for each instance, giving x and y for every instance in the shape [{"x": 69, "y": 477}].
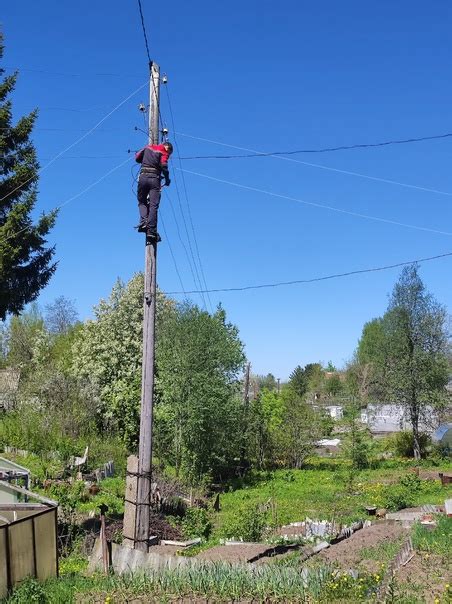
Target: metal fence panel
[
  {"x": 21, "y": 551},
  {"x": 3, "y": 562},
  {"x": 46, "y": 547}
]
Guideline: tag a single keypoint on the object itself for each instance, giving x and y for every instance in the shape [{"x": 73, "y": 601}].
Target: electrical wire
[
  {"x": 192, "y": 263},
  {"x": 73, "y": 75},
  {"x": 188, "y": 252},
  {"x": 187, "y": 201},
  {"x": 38, "y": 129},
  {"x": 161, "y": 126},
  {"x": 319, "y": 205},
  {"x": 348, "y": 172},
  {"x": 76, "y": 196},
  {"x": 316, "y": 279},
  {"x": 404, "y": 141},
  {"x": 191, "y": 260},
  {"x": 171, "y": 251},
  {"x": 144, "y": 31},
  {"x": 72, "y": 145}
]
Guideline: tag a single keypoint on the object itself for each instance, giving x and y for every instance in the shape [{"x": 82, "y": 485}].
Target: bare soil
[
  {"x": 425, "y": 576},
  {"x": 348, "y": 554},
  {"x": 235, "y": 553}
]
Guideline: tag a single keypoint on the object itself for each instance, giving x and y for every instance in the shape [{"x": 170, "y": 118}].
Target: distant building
[
  {"x": 387, "y": 418},
  {"x": 335, "y": 411}
]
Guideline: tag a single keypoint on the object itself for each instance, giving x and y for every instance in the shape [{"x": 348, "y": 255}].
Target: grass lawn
[{"x": 323, "y": 492}]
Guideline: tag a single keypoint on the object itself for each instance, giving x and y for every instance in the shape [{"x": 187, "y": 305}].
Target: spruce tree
[{"x": 25, "y": 262}]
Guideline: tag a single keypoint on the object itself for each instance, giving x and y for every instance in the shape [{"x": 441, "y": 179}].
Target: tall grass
[{"x": 434, "y": 541}]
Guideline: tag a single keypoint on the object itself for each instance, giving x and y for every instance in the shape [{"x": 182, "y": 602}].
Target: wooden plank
[{"x": 130, "y": 501}]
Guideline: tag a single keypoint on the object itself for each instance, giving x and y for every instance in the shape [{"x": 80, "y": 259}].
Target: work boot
[
  {"x": 153, "y": 235},
  {"x": 142, "y": 226}
]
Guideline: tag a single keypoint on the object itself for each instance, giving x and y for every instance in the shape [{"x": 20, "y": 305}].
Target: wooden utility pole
[
  {"x": 246, "y": 405},
  {"x": 246, "y": 393},
  {"x": 143, "y": 502}
]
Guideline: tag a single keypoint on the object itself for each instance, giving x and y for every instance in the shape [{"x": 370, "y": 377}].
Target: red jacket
[{"x": 154, "y": 156}]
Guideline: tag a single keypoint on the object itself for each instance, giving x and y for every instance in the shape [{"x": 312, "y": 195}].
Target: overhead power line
[
  {"x": 77, "y": 195},
  {"x": 74, "y": 75},
  {"x": 404, "y": 141},
  {"x": 201, "y": 268},
  {"x": 315, "y": 279},
  {"x": 144, "y": 31},
  {"x": 79, "y": 140},
  {"x": 322, "y": 167},
  {"x": 318, "y": 205}
]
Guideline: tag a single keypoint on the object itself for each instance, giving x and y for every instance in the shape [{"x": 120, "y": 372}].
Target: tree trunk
[{"x": 416, "y": 436}]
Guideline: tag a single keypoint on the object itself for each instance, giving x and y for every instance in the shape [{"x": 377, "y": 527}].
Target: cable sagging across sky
[
  {"x": 305, "y": 163},
  {"x": 316, "y": 279},
  {"x": 326, "y": 149}
]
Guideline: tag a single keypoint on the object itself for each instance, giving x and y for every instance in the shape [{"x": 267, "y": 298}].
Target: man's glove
[{"x": 167, "y": 182}]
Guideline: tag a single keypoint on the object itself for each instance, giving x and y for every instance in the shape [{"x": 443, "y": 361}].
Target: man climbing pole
[{"x": 154, "y": 167}]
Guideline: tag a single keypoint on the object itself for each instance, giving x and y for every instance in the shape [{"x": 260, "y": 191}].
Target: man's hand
[{"x": 167, "y": 182}]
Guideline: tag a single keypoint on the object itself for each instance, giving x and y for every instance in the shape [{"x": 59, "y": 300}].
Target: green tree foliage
[
  {"x": 265, "y": 423},
  {"x": 22, "y": 335},
  {"x": 108, "y": 350},
  {"x": 199, "y": 409},
  {"x": 266, "y": 381},
  {"x": 356, "y": 440},
  {"x": 403, "y": 356},
  {"x": 371, "y": 344},
  {"x": 298, "y": 381},
  {"x": 315, "y": 376},
  {"x": 415, "y": 365},
  {"x": 25, "y": 262},
  {"x": 333, "y": 385},
  {"x": 300, "y": 428},
  {"x": 52, "y": 407}
]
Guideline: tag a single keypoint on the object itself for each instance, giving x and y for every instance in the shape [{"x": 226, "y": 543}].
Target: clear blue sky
[{"x": 261, "y": 75}]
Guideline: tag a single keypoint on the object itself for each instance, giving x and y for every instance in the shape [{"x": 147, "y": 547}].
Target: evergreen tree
[
  {"x": 25, "y": 263},
  {"x": 298, "y": 381}
]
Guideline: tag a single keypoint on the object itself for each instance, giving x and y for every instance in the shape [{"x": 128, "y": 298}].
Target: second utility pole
[{"x": 143, "y": 502}]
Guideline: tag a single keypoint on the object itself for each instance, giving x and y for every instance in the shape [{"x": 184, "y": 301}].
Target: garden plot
[{"x": 366, "y": 549}]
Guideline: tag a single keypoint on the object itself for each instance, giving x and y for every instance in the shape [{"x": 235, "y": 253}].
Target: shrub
[
  {"x": 403, "y": 494},
  {"x": 249, "y": 524},
  {"x": 29, "y": 592},
  {"x": 196, "y": 523},
  {"x": 404, "y": 444}
]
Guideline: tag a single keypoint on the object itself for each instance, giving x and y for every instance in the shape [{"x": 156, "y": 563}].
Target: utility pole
[
  {"x": 246, "y": 393},
  {"x": 143, "y": 501},
  {"x": 246, "y": 405}
]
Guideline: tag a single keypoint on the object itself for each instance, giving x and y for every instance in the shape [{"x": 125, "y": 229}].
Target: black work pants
[{"x": 148, "y": 194}]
